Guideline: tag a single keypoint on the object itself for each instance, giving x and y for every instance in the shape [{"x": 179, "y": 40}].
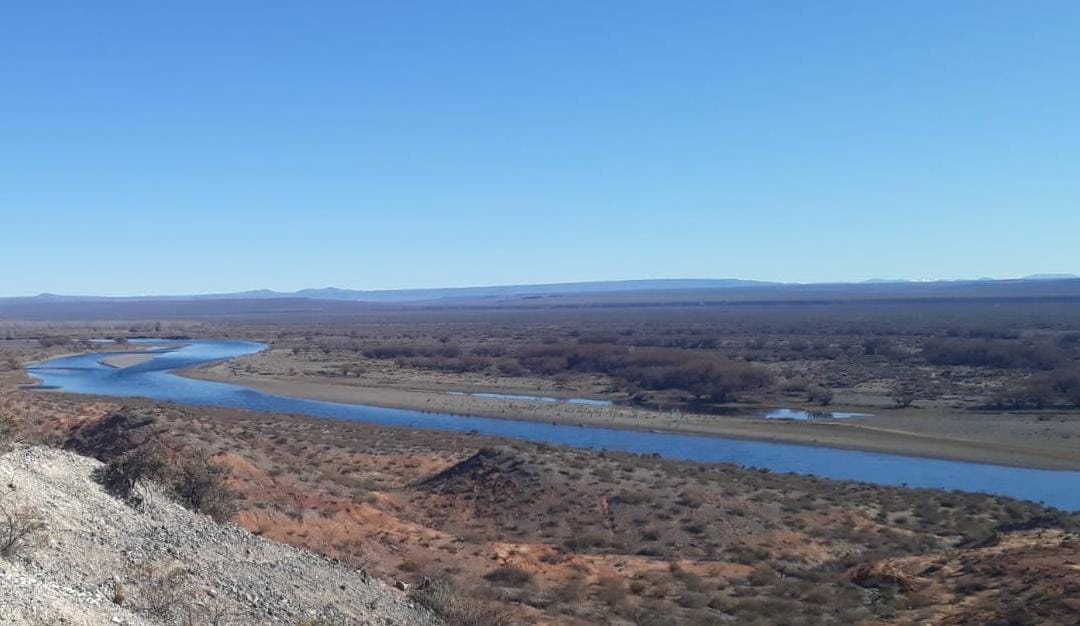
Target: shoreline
[{"x": 849, "y": 434}]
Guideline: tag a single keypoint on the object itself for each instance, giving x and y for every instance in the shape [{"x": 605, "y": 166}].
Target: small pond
[{"x": 803, "y": 414}]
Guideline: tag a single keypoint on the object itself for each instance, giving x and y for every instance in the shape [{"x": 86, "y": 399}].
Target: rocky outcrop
[{"x": 98, "y": 560}]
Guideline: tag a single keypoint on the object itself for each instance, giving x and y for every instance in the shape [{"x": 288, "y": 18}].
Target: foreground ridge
[{"x": 98, "y": 560}]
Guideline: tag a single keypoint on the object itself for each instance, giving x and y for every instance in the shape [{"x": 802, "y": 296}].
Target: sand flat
[{"x": 121, "y": 361}]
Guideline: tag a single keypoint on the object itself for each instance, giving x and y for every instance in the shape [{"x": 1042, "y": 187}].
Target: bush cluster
[
  {"x": 1056, "y": 388},
  {"x": 54, "y": 340},
  {"x": 704, "y": 376},
  {"x": 193, "y": 479},
  {"x": 459, "y": 609},
  {"x": 993, "y": 353}
]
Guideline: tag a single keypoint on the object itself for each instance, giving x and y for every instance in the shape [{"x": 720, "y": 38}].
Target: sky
[{"x": 168, "y": 148}]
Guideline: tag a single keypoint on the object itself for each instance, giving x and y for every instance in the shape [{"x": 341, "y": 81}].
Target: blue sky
[{"x": 197, "y": 147}]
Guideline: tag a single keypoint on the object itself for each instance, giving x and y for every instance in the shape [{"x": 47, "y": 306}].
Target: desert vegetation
[
  {"x": 20, "y": 525},
  {"x": 935, "y": 356},
  {"x": 188, "y": 476},
  {"x": 486, "y": 531}
]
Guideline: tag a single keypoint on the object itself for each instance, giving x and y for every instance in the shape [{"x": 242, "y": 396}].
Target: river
[{"x": 154, "y": 379}]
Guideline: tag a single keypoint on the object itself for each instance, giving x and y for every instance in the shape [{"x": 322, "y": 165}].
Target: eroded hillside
[
  {"x": 561, "y": 536},
  {"x": 89, "y": 558}
]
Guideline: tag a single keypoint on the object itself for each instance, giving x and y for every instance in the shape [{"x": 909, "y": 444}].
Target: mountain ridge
[{"x": 527, "y": 290}]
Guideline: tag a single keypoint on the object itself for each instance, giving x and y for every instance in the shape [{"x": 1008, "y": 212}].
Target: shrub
[
  {"x": 1041, "y": 390},
  {"x": 1000, "y": 354},
  {"x": 763, "y": 575},
  {"x": 200, "y": 485},
  {"x": 820, "y": 395},
  {"x": 162, "y": 589},
  {"x": 612, "y": 590},
  {"x": 196, "y": 482},
  {"x": 878, "y": 346},
  {"x": 716, "y": 380},
  {"x": 903, "y": 398},
  {"x": 8, "y": 430},
  {"x": 456, "y": 609},
  {"x": 511, "y": 368},
  {"x": 113, "y": 436},
  {"x": 704, "y": 376},
  {"x": 20, "y": 526},
  {"x": 508, "y": 576},
  {"x": 631, "y": 497},
  {"x": 795, "y": 384},
  {"x": 586, "y": 541},
  {"x": 692, "y": 498},
  {"x": 693, "y": 600},
  {"x": 128, "y": 475},
  {"x": 1066, "y": 383},
  {"x": 54, "y": 340}
]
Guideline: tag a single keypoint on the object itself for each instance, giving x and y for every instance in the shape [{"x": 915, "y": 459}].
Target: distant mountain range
[
  {"x": 1050, "y": 277},
  {"x": 519, "y": 291},
  {"x": 894, "y": 281},
  {"x": 505, "y": 292},
  {"x": 336, "y": 303},
  {"x": 418, "y": 295}
]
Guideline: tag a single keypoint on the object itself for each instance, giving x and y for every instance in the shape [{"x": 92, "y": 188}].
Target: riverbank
[{"x": 1035, "y": 441}]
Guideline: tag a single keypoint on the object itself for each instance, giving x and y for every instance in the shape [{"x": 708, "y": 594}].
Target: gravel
[{"x": 101, "y": 561}]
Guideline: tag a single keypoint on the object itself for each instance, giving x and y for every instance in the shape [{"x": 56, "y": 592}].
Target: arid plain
[{"x": 533, "y": 533}]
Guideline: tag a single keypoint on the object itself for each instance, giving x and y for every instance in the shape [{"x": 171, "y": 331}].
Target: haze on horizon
[
  {"x": 154, "y": 150},
  {"x": 314, "y": 292}
]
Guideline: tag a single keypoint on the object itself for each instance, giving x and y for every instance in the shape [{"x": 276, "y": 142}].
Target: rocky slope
[{"x": 100, "y": 561}]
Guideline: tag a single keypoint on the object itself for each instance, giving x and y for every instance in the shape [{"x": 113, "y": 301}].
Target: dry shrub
[
  {"x": 208, "y": 613},
  {"x": 163, "y": 589},
  {"x": 53, "y": 341},
  {"x": 820, "y": 395},
  {"x": 763, "y": 575},
  {"x": 903, "y": 398},
  {"x": 994, "y": 354},
  {"x": 457, "y": 609},
  {"x": 193, "y": 479},
  {"x": 1060, "y": 387},
  {"x": 200, "y": 485},
  {"x": 586, "y": 541},
  {"x": 508, "y": 576},
  {"x": 20, "y": 526},
  {"x": 692, "y": 498},
  {"x": 128, "y": 477},
  {"x": 612, "y": 590},
  {"x": 318, "y": 621},
  {"x": 9, "y": 429}
]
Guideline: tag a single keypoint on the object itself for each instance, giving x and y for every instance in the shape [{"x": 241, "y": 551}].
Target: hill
[{"x": 100, "y": 561}]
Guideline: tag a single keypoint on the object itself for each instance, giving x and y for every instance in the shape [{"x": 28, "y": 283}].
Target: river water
[{"x": 153, "y": 379}]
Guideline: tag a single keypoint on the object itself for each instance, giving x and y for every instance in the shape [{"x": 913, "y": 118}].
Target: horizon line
[{"x": 752, "y": 282}]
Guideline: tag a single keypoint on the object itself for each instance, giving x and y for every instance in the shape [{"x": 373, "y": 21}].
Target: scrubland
[
  {"x": 996, "y": 382},
  {"x": 491, "y": 531},
  {"x": 527, "y": 533}
]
